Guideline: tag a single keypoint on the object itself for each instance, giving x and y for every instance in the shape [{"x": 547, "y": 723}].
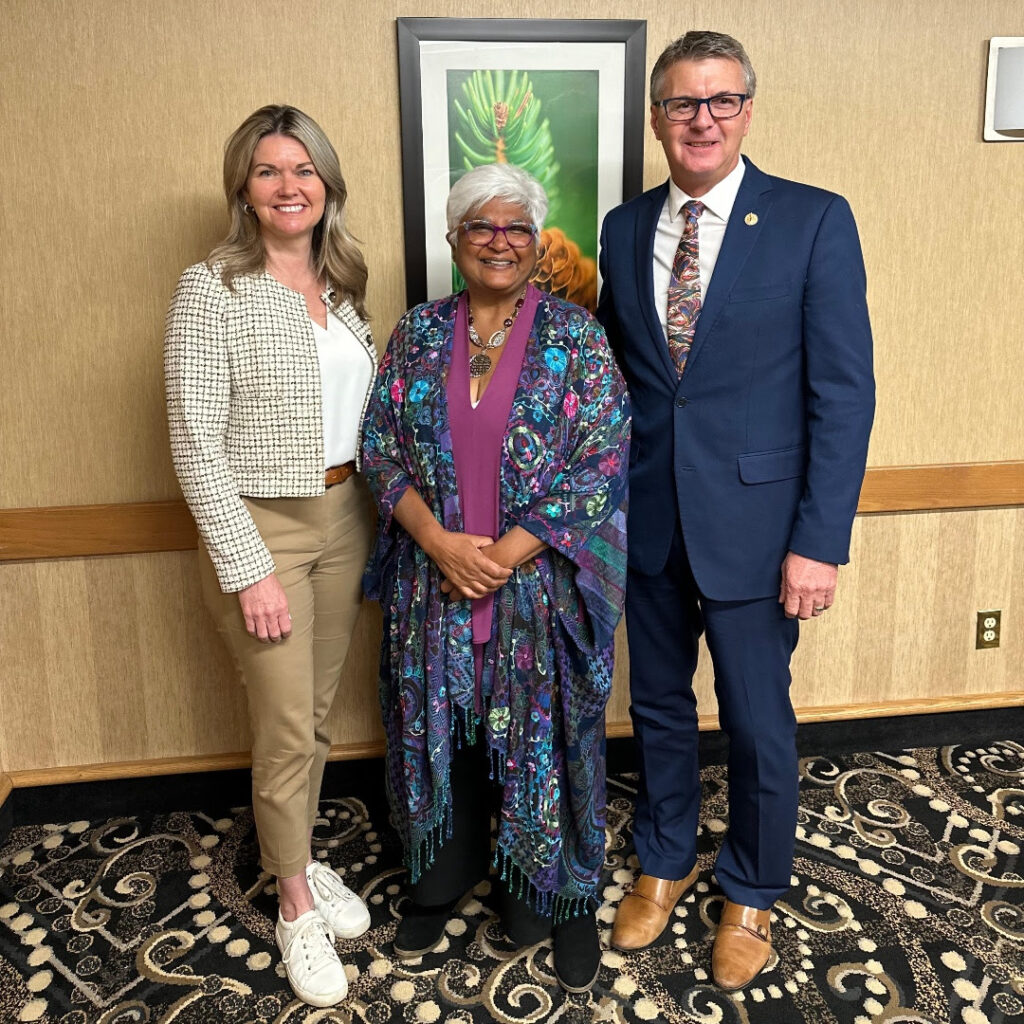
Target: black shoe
[
  {"x": 577, "y": 953},
  {"x": 520, "y": 922},
  {"x": 421, "y": 929}
]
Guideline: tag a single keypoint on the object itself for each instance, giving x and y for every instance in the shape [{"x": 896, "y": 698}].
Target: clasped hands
[{"x": 470, "y": 564}]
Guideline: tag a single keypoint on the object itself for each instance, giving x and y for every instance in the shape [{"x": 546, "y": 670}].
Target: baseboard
[
  {"x": 880, "y": 709},
  {"x": 209, "y": 789},
  {"x": 187, "y": 765},
  {"x": 972, "y": 727},
  {"x": 230, "y": 786},
  {"x": 33, "y": 777}
]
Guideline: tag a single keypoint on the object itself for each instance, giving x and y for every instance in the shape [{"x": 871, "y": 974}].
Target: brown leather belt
[{"x": 338, "y": 474}]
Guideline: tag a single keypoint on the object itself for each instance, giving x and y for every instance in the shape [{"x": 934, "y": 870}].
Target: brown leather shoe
[
  {"x": 743, "y": 946},
  {"x": 644, "y": 911}
]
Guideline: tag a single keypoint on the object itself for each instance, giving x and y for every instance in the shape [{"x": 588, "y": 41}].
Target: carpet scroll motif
[{"x": 906, "y": 907}]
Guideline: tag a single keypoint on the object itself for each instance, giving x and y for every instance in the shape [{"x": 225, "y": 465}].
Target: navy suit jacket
[{"x": 761, "y": 445}]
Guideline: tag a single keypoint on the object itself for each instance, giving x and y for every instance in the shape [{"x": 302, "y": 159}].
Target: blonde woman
[{"x": 269, "y": 364}]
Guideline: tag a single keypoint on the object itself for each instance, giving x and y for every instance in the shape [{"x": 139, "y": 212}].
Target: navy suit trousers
[{"x": 751, "y": 643}]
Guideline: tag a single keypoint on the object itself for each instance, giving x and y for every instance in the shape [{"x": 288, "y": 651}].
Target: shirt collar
[{"x": 718, "y": 200}]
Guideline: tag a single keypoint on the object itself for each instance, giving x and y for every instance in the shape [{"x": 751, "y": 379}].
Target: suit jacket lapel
[
  {"x": 754, "y": 197},
  {"x": 646, "y": 227}
]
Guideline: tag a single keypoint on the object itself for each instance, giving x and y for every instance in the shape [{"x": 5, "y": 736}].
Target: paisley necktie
[{"x": 684, "y": 288}]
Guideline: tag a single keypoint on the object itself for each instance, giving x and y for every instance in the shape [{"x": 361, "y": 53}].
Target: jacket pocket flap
[{"x": 763, "y": 467}]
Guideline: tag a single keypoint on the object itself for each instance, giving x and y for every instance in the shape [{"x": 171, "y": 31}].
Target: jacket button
[{"x": 680, "y": 402}]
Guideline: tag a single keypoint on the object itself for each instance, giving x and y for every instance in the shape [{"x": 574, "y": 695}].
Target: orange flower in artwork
[{"x": 563, "y": 270}]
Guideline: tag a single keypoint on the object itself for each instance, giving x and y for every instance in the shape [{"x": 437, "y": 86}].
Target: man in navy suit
[{"x": 747, "y": 350}]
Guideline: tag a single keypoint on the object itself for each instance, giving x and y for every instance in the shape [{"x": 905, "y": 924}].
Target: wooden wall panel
[
  {"x": 114, "y": 659},
  {"x": 903, "y": 625},
  {"x": 27, "y": 724}
]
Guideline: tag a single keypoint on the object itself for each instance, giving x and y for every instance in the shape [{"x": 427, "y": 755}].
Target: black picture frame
[{"x": 630, "y": 35}]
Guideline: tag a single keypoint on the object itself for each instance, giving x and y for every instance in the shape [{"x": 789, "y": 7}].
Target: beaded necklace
[{"x": 480, "y": 363}]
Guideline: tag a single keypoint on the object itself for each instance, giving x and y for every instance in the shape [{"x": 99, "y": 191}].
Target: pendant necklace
[{"x": 480, "y": 363}]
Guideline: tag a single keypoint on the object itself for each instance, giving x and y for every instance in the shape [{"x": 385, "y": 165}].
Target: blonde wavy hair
[{"x": 336, "y": 256}]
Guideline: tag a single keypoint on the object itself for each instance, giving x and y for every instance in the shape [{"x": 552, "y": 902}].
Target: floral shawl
[{"x": 548, "y": 665}]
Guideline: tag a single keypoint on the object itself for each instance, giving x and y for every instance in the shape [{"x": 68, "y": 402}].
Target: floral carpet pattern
[{"x": 906, "y": 907}]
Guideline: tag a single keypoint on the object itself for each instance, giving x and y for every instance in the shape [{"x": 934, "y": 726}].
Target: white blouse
[{"x": 345, "y": 375}]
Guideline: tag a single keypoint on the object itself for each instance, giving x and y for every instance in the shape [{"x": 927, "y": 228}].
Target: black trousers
[{"x": 464, "y": 858}]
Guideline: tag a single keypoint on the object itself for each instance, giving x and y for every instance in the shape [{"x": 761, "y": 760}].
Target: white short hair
[{"x": 496, "y": 181}]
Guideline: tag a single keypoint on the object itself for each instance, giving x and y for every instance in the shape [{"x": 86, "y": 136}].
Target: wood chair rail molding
[
  {"x": 956, "y": 486},
  {"x": 352, "y": 751},
  {"x": 76, "y": 531}
]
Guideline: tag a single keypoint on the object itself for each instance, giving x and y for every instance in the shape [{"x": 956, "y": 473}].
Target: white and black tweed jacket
[{"x": 244, "y": 407}]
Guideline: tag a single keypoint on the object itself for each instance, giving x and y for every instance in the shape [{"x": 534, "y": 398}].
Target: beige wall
[{"x": 115, "y": 115}]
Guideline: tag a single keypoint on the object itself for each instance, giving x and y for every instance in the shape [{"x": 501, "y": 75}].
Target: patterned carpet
[{"x": 907, "y": 907}]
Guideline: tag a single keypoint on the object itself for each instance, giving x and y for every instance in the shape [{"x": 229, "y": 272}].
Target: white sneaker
[
  {"x": 314, "y": 971},
  {"x": 336, "y": 903}
]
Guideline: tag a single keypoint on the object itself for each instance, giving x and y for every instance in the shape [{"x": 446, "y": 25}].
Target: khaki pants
[{"x": 320, "y": 546}]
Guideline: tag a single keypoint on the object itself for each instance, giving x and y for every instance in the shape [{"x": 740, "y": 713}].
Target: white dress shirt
[{"x": 718, "y": 203}]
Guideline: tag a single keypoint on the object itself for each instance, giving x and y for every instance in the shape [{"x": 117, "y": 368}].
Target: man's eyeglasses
[
  {"x": 483, "y": 232},
  {"x": 721, "y": 107}
]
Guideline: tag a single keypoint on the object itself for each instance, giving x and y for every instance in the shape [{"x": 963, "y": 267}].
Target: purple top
[{"x": 477, "y": 434}]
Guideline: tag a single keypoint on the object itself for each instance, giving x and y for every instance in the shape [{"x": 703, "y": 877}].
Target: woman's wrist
[
  {"x": 499, "y": 553},
  {"x": 415, "y": 516},
  {"x": 515, "y": 548},
  {"x": 430, "y": 538}
]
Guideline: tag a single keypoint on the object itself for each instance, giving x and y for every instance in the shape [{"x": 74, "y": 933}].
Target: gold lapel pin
[{"x": 750, "y": 220}]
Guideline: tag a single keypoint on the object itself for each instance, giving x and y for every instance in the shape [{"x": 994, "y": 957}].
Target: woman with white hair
[
  {"x": 496, "y": 447},
  {"x": 269, "y": 363}
]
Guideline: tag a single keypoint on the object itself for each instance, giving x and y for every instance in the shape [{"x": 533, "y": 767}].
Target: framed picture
[{"x": 562, "y": 99}]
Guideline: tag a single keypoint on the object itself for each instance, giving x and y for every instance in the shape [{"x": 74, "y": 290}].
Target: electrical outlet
[{"x": 988, "y": 629}]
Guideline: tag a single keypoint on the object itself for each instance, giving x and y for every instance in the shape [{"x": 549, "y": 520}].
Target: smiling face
[
  {"x": 495, "y": 270},
  {"x": 284, "y": 188},
  {"x": 703, "y": 151}
]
